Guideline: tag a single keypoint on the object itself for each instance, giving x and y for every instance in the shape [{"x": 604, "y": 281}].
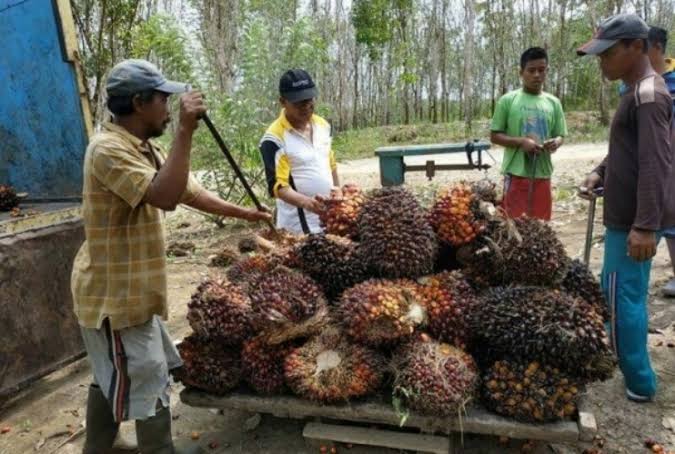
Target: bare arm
[
  {"x": 293, "y": 197},
  {"x": 170, "y": 181},
  {"x": 210, "y": 203},
  {"x": 525, "y": 144}
]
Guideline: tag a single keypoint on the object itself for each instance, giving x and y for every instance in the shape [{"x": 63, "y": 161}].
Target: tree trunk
[
  {"x": 470, "y": 11},
  {"x": 220, "y": 30}
]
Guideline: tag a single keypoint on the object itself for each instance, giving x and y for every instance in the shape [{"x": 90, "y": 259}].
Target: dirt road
[{"x": 41, "y": 416}]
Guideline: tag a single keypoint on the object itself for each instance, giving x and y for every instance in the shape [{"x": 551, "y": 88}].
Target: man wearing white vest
[{"x": 299, "y": 160}]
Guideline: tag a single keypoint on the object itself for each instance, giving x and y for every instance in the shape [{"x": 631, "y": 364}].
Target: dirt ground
[{"x": 44, "y": 417}]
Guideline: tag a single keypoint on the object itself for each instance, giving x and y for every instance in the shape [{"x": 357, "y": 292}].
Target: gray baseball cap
[
  {"x": 611, "y": 30},
  {"x": 129, "y": 77}
]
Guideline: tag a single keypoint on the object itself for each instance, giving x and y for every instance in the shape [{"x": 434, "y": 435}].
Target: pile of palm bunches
[
  {"x": 395, "y": 237},
  {"x": 263, "y": 364},
  {"x": 8, "y": 198},
  {"x": 221, "y": 310},
  {"x": 380, "y": 312},
  {"x": 341, "y": 212},
  {"x": 529, "y": 392},
  {"x": 208, "y": 365},
  {"x": 515, "y": 310},
  {"x": 448, "y": 299},
  {"x": 452, "y": 216},
  {"x": 329, "y": 368},
  {"x": 434, "y": 378},
  {"x": 332, "y": 261}
]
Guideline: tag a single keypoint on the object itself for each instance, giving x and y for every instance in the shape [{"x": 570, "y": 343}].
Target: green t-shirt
[{"x": 520, "y": 114}]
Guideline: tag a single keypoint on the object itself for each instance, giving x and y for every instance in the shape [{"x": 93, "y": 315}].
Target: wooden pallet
[{"x": 476, "y": 420}]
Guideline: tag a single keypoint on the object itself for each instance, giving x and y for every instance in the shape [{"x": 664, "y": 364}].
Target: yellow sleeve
[
  {"x": 283, "y": 174},
  {"x": 333, "y": 162}
]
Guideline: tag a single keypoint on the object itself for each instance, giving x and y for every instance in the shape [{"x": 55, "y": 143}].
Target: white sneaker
[{"x": 637, "y": 397}]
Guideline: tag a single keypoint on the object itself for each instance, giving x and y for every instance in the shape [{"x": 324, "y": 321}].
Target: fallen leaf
[{"x": 5, "y": 429}]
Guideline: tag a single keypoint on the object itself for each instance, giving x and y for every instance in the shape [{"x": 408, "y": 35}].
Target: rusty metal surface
[{"x": 39, "y": 329}]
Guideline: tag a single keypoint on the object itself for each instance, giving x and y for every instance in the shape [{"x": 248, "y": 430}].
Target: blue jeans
[{"x": 626, "y": 284}]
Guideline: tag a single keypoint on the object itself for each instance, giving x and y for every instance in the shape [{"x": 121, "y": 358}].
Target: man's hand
[
  {"x": 528, "y": 145},
  {"x": 192, "y": 107},
  {"x": 641, "y": 245},
  {"x": 314, "y": 205},
  {"x": 552, "y": 145},
  {"x": 254, "y": 215},
  {"x": 592, "y": 181}
]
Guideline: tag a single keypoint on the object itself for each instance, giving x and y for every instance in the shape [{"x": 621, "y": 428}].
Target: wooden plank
[
  {"x": 476, "y": 420},
  {"x": 377, "y": 437},
  {"x": 436, "y": 148}
]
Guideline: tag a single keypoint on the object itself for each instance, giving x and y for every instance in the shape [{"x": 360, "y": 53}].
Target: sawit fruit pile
[{"x": 366, "y": 308}]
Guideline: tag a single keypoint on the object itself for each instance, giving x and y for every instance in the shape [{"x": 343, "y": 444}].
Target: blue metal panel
[{"x": 42, "y": 130}]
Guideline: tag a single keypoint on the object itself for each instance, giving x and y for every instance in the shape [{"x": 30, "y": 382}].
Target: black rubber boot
[
  {"x": 101, "y": 426},
  {"x": 154, "y": 436}
]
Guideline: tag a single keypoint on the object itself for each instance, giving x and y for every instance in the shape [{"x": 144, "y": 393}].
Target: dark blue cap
[{"x": 296, "y": 85}]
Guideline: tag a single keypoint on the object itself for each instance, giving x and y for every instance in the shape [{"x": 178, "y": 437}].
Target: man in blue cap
[
  {"x": 638, "y": 179},
  {"x": 119, "y": 275}
]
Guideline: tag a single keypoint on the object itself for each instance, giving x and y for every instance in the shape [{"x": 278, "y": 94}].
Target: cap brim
[
  {"x": 596, "y": 46},
  {"x": 302, "y": 95},
  {"x": 172, "y": 87}
]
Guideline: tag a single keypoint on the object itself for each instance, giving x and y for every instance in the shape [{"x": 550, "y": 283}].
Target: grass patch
[{"x": 361, "y": 143}]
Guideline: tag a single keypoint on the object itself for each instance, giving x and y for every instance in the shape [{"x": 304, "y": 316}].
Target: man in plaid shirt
[{"x": 119, "y": 275}]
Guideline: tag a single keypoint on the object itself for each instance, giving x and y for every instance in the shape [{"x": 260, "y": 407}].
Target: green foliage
[
  {"x": 161, "y": 40},
  {"x": 375, "y": 22}
]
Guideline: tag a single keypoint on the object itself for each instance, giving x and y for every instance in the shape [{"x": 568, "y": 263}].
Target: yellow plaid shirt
[{"x": 120, "y": 271}]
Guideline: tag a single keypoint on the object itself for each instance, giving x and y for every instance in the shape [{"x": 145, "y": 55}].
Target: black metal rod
[{"x": 234, "y": 165}]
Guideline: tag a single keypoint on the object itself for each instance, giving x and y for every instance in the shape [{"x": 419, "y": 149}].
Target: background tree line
[{"x": 376, "y": 62}]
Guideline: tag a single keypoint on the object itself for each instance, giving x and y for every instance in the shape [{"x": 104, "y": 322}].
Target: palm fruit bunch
[
  {"x": 221, "y": 310},
  {"x": 540, "y": 259},
  {"x": 328, "y": 368},
  {"x": 248, "y": 270},
  {"x": 341, "y": 213},
  {"x": 452, "y": 215},
  {"x": 208, "y": 365},
  {"x": 534, "y": 323},
  {"x": 332, "y": 261},
  {"x": 379, "y": 312},
  {"x": 8, "y": 198},
  {"x": 485, "y": 190},
  {"x": 521, "y": 251},
  {"x": 448, "y": 298},
  {"x": 529, "y": 392},
  {"x": 283, "y": 298},
  {"x": 579, "y": 281},
  {"x": 395, "y": 235},
  {"x": 434, "y": 378},
  {"x": 263, "y": 364}
]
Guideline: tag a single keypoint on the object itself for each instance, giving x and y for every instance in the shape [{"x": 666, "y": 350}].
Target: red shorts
[{"x": 517, "y": 193}]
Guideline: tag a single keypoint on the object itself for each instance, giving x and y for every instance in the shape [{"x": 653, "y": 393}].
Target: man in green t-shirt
[{"x": 530, "y": 124}]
